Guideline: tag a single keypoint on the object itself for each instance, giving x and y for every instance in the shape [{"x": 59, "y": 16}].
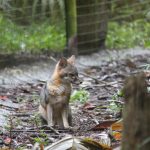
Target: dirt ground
[{"x": 103, "y": 76}]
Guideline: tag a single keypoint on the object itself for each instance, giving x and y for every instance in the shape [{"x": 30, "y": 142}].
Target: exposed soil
[{"x": 21, "y": 127}]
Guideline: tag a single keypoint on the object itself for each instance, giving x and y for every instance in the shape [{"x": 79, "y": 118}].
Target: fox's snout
[{"x": 77, "y": 80}]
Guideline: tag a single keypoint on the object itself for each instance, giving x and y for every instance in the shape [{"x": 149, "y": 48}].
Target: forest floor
[{"x": 103, "y": 76}]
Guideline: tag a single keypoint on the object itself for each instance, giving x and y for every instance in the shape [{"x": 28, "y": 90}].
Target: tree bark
[
  {"x": 71, "y": 26},
  {"x": 92, "y": 19},
  {"x": 136, "y": 115}
]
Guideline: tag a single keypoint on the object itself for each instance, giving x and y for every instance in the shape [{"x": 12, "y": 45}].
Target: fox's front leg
[
  {"x": 50, "y": 114},
  {"x": 65, "y": 117}
]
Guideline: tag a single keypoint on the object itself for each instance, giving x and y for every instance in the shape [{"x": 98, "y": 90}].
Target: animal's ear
[
  {"x": 72, "y": 59},
  {"x": 62, "y": 63}
]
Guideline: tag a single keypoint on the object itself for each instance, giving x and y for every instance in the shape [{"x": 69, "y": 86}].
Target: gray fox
[{"x": 54, "y": 104}]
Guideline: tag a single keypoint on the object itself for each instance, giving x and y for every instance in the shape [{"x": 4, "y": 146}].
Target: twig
[
  {"x": 10, "y": 130},
  {"x": 100, "y": 81},
  {"x": 30, "y": 130},
  {"x": 53, "y": 59},
  {"x": 116, "y": 101},
  {"x": 22, "y": 114},
  {"x": 45, "y": 126},
  {"x": 96, "y": 80}
]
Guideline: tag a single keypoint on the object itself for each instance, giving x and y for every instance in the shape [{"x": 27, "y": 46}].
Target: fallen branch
[
  {"x": 100, "y": 81},
  {"x": 96, "y": 80},
  {"x": 49, "y": 131},
  {"x": 107, "y": 84}
]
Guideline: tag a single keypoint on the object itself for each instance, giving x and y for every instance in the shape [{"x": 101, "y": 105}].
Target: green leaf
[{"x": 80, "y": 95}]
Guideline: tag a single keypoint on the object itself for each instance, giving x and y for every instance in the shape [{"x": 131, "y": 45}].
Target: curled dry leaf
[
  {"x": 94, "y": 145},
  {"x": 75, "y": 143},
  {"x": 66, "y": 144},
  {"x": 117, "y": 126}
]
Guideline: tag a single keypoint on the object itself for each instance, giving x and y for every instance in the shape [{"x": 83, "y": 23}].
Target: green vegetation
[
  {"x": 81, "y": 96},
  {"x": 115, "y": 106},
  {"x": 44, "y": 24},
  {"x": 37, "y": 38},
  {"x": 128, "y": 34},
  {"x": 118, "y": 94},
  {"x": 33, "y": 38},
  {"x": 146, "y": 67},
  {"x": 41, "y": 140}
]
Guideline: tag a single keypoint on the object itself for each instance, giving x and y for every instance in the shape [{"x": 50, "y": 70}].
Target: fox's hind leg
[
  {"x": 70, "y": 117},
  {"x": 43, "y": 114}
]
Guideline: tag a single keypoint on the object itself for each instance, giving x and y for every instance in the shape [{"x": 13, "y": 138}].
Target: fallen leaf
[
  {"x": 7, "y": 141},
  {"x": 9, "y": 104},
  {"x": 117, "y": 126},
  {"x": 38, "y": 146},
  {"x": 74, "y": 143},
  {"x": 147, "y": 73},
  {"x": 103, "y": 125},
  {"x": 89, "y": 106},
  {"x": 116, "y": 129},
  {"x": 117, "y": 135},
  {"x": 104, "y": 138},
  {"x": 130, "y": 63},
  {"x": 94, "y": 145},
  {"x": 65, "y": 144},
  {"x": 5, "y": 148},
  {"x": 3, "y": 97}
]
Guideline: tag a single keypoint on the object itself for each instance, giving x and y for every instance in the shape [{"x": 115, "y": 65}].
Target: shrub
[
  {"x": 128, "y": 34},
  {"x": 33, "y": 38}
]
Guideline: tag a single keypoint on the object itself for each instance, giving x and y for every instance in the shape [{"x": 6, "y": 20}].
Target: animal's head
[{"x": 67, "y": 70}]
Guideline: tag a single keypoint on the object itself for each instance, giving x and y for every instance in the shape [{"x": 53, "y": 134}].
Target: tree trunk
[
  {"x": 92, "y": 19},
  {"x": 136, "y": 115},
  {"x": 71, "y": 26}
]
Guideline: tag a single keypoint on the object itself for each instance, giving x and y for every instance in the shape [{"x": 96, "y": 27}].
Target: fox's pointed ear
[
  {"x": 72, "y": 59},
  {"x": 62, "y": 63}
]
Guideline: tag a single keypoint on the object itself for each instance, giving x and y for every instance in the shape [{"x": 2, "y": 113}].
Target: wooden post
[
  {"x": 71, "y": 27},
  {"x": 136, "y": 115}
]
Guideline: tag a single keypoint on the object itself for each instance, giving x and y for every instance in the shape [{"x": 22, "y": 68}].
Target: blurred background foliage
[{"x": 37, "y": 26}]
